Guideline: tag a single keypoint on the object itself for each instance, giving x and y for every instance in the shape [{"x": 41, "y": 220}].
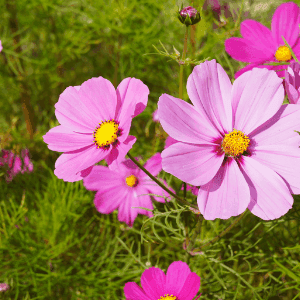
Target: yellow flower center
[
  {"x": 131, "y": 181},
  {"x": 106, "y": 133},
  {"x": 283, "y": 53},
  {"x": 167, "y": 297},
  {"x": 235, "y": 143}
]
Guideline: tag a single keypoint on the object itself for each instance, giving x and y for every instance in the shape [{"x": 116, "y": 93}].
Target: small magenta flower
[
  {"x": 178, "y": 284},
  {"x": 189, "y": 16},
  {"x": 4, "y": 287},
  {"x": 259, "y": 44},
  {"x": 124, "y": 186},
  {"x": 95, "y": 122},
  {"x": 14, "y": 164},
  {"x": 237, "y": 142},
  {"x": 292, "y": 82}
]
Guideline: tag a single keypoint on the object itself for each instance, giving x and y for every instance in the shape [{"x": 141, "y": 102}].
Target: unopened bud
[{"x": 189, "y": 16}]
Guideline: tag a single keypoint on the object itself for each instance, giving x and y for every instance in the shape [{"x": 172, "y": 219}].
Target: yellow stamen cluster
[
  {"x": 235, "y": 143},
  {"x": 167, "y": 297},
  {"x": 283, "y": 53},
  {"x": 131, "y": 181},
  {"x": 106, "y": 133}
]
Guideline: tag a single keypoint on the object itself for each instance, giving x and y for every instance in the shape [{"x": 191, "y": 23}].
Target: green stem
[
  {"x": 196, "y": 233},
  {"x": 181, "y": 66},
  {"x": 223, "y": 232},
  {"x": 183, "y": 201}
]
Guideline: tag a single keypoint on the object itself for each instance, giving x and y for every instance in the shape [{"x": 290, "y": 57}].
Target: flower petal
[
  {"x": 257, "y": 95},
  {"x": 118, "y": 153},
  {"x": 243, "y": 50},
  {"x": 63, "y": 139},
  {"x": 100, "y": 98},
  {"x": 69, "y": 164},
  {"x": 249, "y": 68},
  {"x": 184, "y": 123},
  {"x": 71, "y": 111},
  {"x": 132, "y": 98},
  {"x": 260, "y": 37},
  {"x": 128, "y": 214},
  {"x": 194, "y": 164},
  {"x": 209, "y": 89},
  {"x": 110, "y": 199},
  {"x": 133, "y": 292},
  {"x": 190, "y": 288},
  {"x": 177, "y": 274},
  {"x": 270, "y": 196},
  {"x": 226, "y": 195},
  {"x": 153, "y": 281},
  {"x": 285, "y": 22},
  {"x": 280, "y": 129},
  {"x": 153, "y": 164},
  {"x": 283, "y": 159},
  {"x": 102, "y": 178},
  {"x": 154, "y": 188}
]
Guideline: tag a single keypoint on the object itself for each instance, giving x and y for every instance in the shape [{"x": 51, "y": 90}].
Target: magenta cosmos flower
[
  {"x": 260, "y": 44},
  {"x": 178, "y": 284},
  {"x": 238, "y": 142},
  {"x": 14, "y": 164},
  {"x": 292, "y": 82},
  {"x": 95, "y": 122},
  {"x": 124, "y": 186}
]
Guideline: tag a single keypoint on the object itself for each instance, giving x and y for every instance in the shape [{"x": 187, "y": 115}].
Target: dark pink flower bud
[
  {"x": 189, "y": 16},
  {"x": 292, "y": 82}
]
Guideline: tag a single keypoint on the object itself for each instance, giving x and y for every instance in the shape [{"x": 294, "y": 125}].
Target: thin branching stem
[{"x": 223, "y": 232}]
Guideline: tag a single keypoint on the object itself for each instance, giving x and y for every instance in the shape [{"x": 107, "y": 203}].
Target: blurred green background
[{"x": 53, "y": 242}]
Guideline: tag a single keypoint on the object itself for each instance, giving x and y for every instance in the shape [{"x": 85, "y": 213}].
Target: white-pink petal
[
  {"x": 209, "y": 89},
  {"x": 257, "y": 95},
  {"x": 270, "y": 196}
]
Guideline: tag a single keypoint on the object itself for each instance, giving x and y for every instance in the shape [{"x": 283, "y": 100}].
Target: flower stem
[
  {"x": 196, "y": 233},
  {"x": 159, "y": 183},
  {"x": 181, "y": 66},
  {"x": 223, "y": 232}
]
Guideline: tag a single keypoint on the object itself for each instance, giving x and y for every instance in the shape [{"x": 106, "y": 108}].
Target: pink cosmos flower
[
  {"x": 14, "y": 164},
  {"x": 124, "y": 186},
  {"x": 238, "y": 142},
  {"x": 95, "y": 122},
  {"x": 292, "y": 82},
  {"x": 260, "y": 44},
  {"x": 178, "y": 284}
]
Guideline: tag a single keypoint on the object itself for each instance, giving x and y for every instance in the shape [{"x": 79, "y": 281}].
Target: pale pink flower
[
  {"x": 237, "y": 142},
  {"x": 125, "y": 187},
  {"x": 95, "y": 122},
  {"x": 179, "y": 283}
]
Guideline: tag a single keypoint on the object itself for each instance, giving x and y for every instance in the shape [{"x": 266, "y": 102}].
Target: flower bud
[{"x": 189, "y": 15}]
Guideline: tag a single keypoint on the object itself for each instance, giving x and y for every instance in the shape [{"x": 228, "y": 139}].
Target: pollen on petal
[
  {"x": 235, "y": 143},
  {"x": 283, "y": 53}
]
